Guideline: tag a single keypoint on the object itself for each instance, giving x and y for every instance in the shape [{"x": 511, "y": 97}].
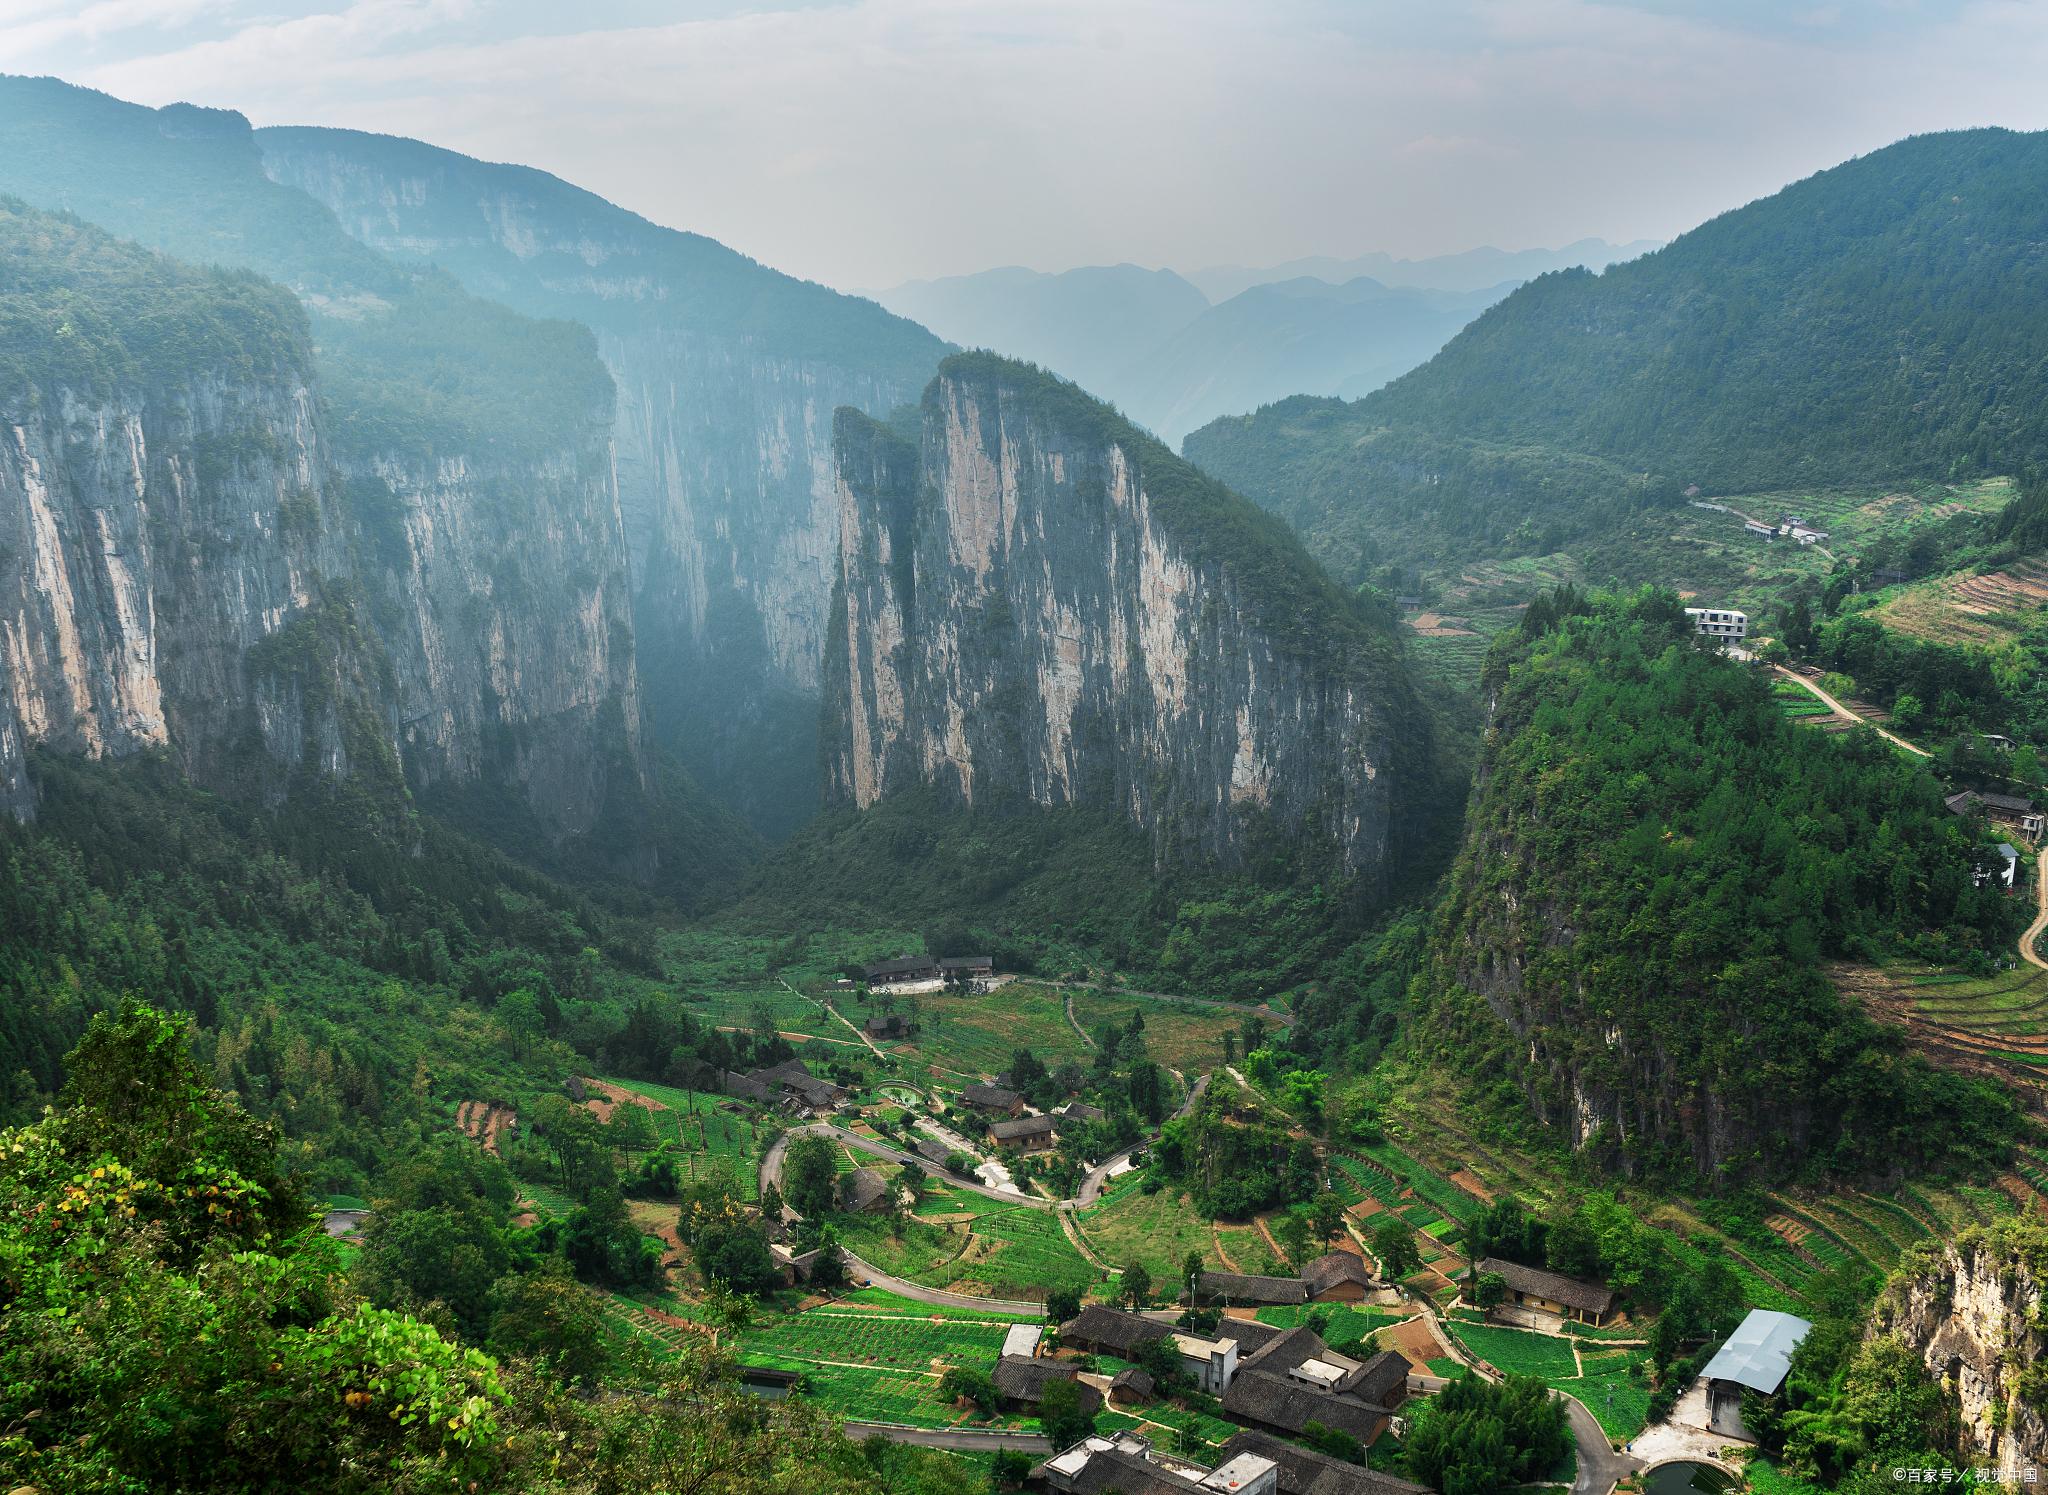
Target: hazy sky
[{"x": 870, "y": 141}]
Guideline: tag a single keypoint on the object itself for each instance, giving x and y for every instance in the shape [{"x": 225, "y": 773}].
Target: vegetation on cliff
[{"x": 1655, "y": 866}]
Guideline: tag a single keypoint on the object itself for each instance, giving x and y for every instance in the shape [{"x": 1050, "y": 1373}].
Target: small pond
[{"x": 1687, "y": 1479}]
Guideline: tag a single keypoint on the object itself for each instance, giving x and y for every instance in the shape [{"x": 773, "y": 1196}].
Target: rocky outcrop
[
  {"x": 1041, "y": 606},
  {"x": 1975, "y": 1310},
  {"x": 728, "y": 374}
]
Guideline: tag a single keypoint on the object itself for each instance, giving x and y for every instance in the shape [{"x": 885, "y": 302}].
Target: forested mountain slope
[
  {"x": 728, "y": 373},
  {"x": 1655, "y": 863},
  {"x": 1878, "y": 320}
]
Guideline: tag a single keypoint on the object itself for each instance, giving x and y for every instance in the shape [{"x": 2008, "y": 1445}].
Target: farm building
[
  {"x": 1303, "y": 1471},
  {"x": 1133, "y": 1385},
  {"x": 935, "y": 1152},
  {"x": 1109, "y": 1331},
  {"x": 1210, "y": 1362},
  {"x": 1023, "y": 1339},
  {"x": 1024, "y": 1133},
  {"x": 904, "y": 968},
  {"x": 967, "y": 967},
  {"x": 1233, "y": 1289},
  {"x": 2005, "y": 809},
  {"x": 1999, "y": 865},
  {"x": 1340, "y": 1277},
  {"x": 1129, "y": 1464},
  {"x": 863, "y": 1190},
  {"x": 888, "y": 1025},
  {"x": 1551, "y": 1293},
  {"x": 1755, "y": 1358},
  {"x": 1078, "y": 1113},
  {"x": 1760, "y": 529},
  {"x": 1296, "y": 1380},
  {"x": 1021, "y": 1381},
  {"x": 993, "y": 1099},
  {"x": 1806, "y": 534},
  {"x": 795, "y": 1266}
]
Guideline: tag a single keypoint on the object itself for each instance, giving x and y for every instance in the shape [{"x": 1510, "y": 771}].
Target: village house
[
  {"x": 935, "y": 1152},
  {"x": 887, "y": 1025},
  {"x": 1551, "y": 1293},
  {"x": 903, "y": 968},
  {"x": 1758, "y": 528},
  {"x": 1237, "y": 1289},
  {"x": 1210, "y": 1361},
  {"x": 1021, "y": 1381},
  {"x": 957, "y": 968},
  {"x": 1133, "y": 1385},
  {"x": 1339, "y": 1277},
  {"x": 798, "y": 1089},
  {"x": 1723, "y": 623},
  {"x": 1077, "y": 1114},
  {"x": 864, "y": 1190},
  {"x": 992, "y": 1100},
  {"x": 1755, "y": 1358},
  {"x": 1023, "y": 1340},
  {"x": 2005, "y": 809},
  {"x": 1806, "y": 534},
  {"x": 795, "y": 1266},
  {"x": 1303, "y": 1471},
  {"x": 2000, "y": 865},
  {"x": 1128, "y": 1464},
  {"x": 1297, "y": 1379},
  {"x": 1024, "y": 1134},
  {"x": 745, "y": 1087}
]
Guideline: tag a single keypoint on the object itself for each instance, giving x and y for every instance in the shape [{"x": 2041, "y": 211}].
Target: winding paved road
[
  {"x": 771, "y": 1165},
  {"x": 1600, "y": 1467},
  {"x": 2041, "y": 920},
  {"x": 964, "y": 1440}
]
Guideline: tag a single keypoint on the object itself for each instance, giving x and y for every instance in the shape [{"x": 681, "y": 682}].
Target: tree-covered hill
[
  {"x": 1656, "y": 863},
  {"x": 1879, "y": 320}
]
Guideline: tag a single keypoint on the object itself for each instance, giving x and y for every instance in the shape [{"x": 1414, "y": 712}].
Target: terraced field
[
  {"x": 1613, "y": 1383},
  {"x": 1157, "y": 1230},
  {"x": 706, "y": 1132},
  {"x": 986, "y": 1249},
  {"x": 1988, "y": 610},
  {"x": 1995, "y": 1025}
]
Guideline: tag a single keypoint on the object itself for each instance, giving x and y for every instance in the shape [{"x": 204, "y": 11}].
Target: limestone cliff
[
  {"x": 410, "y": 522},
  {"x": 1975, "y": 1310},
  {"x": 728, "y": 374},
  {"x": 1039, "y": 605}
]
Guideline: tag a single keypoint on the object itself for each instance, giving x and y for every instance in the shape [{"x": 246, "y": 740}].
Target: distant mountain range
[
  {"x": 1153, "y": 342},
  {"x": 1471, "y": 270},
  {"x": 1877, "y": 322}
]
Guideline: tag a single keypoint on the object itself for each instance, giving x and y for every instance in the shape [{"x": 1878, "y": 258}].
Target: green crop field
[
  {"x": 1345, "y": 1323},
  {"x": 706, "y": 1134},
  {"x": 1155, "y": 1230},
  {"x": 1518, "y": 1352}
]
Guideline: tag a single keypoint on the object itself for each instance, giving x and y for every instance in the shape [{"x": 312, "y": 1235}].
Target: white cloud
[{"x": 869, "y": 141}]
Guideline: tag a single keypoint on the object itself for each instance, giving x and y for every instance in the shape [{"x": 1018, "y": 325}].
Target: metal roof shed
[{"x": 1759, "y": 1352}]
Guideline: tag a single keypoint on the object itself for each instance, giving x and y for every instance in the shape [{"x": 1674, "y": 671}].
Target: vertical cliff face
[
  {"x": 1975, "y": 1310},
  {"x": 1041, "y": 606},
  {"x": 728, "y": 374},
  {"x": 415, "y": 530},
  {"x": 500, "y": 601},
  {"x": 163, "y": 513}
]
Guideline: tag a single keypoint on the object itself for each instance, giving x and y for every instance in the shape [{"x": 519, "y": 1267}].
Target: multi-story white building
[{"x": 1719, "y": 622}]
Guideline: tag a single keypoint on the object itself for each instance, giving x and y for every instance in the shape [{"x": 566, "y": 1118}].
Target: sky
[{"x": 867, "y": 142}]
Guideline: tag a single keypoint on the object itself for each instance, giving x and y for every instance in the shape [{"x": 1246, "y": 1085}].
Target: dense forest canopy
[
  {"x": 1656, "y": 866},
  {"x": 1872, "y": 322}
]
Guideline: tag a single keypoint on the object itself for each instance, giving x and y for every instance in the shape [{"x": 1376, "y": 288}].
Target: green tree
[
  {"x": 1489, "y": 1290},
  {"x": 549, "y": 1317},
  {"x": 1135, "y": 1286},
  {"x": 1061, "y": 1305},
  {"x": 1294, "y": 1234},
  {"x": 1061, "y": 1414},
  {"x": 810, "y": 1178},
  {"x": 1393, "y": 1242}
]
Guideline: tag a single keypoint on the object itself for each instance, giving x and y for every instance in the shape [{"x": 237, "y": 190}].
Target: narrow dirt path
[
  {"x": 1079, "y": 1238},
  {"x": 1067, "y": 1002},
  {"x": 859, "y": 1033},
  {"x": 1847, "y": 715},
  {"x": 1229, "y": 1263}
]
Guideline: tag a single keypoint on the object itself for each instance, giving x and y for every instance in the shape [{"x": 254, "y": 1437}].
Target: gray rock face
[
  {"x": 147, "y": 543},
  {"x": 187, "y": 568},
  {"x": 1030, "y": 615},
  {"x": 1975, "y": 1312},
  {"x": 728, "y": 374}
]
